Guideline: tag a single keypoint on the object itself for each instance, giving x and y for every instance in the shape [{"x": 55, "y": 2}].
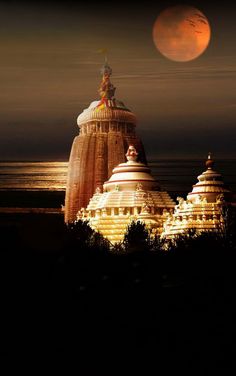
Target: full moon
[{"x": 181, "y": 33}]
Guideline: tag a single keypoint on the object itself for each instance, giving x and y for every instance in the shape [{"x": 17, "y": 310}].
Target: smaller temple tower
[
  {"x": 210, "y": 185},
  {"x": 202, "y": 211},
  {"x": 131, "y": 193}
]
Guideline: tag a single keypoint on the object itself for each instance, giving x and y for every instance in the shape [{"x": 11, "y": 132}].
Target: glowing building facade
[
  {"x": 203, "y": 208},
  {"x": 126, "y": 191},
  {"x": 131, "y": 193}
]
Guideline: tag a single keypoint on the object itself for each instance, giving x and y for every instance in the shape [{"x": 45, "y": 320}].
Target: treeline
[
  {"x": 91, "y": 259},
  {"x": 171, "y": 301}
]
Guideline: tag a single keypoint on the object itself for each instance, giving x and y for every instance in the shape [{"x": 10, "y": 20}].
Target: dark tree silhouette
[
  {"x": 157, "y": 244},
  {"x": 80, "y": 233},
  {"x": 137, "y": 237},
  {"x": 81, "y": 236},
  {"x": 229, "y": 226}
]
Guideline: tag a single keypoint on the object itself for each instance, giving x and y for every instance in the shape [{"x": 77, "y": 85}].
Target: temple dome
[
  {"x": 202, "y": 211},
  {"x": 210, "y": 184},
  {"x": 127, "y": 175},
  {"x": 114, "y": 111},
  {"x": 108, "y": 108},
  {"x": 130, "y": 194}
]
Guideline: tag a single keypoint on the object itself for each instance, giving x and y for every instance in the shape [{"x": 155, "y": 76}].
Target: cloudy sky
[{"x": 49, "y": 72}]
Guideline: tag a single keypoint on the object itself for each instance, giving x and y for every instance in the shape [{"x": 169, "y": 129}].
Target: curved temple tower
[{"x": 107, "y": 127}]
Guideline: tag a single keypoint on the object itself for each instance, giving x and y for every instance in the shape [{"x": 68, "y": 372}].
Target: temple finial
[
  {"x": 105, "y": 58},
  {"x": 104, "y": 52},
  {"x": 131, "y": 154},
  {"x": 209, "y": 161},
  {"x": 107, "y": 89}
]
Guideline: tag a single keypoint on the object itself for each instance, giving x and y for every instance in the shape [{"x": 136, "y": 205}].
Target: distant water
[
  {"x": 173, "y": 175},
  {"x": 33, "y": 176}
]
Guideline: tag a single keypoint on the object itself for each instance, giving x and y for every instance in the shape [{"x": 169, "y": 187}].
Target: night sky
[{"x": 50, "y": 71}]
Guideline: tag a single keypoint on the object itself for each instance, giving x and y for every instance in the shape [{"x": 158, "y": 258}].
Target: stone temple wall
[{"x": 93, "y": 156}]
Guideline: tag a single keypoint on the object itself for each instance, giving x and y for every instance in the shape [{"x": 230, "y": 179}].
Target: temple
[
  {"x": 131, "y": 193},
  {"x": 203, "y": 208},
  {"x": 110, "y": 187},
  {"x": 107, "y": 128}
]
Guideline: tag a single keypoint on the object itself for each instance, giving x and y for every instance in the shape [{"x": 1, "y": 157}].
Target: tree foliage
[
  {"x": 80, "y": 236},
  {"x": 137, "y": 237}
]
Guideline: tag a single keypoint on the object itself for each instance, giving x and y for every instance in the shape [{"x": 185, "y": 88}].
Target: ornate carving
[
  {"x": 139, "y": 187},
  {"x": 180, "y": 203},
  {"x": 145, "y": 208},
  {"x": 198, "y": 199},
  {"x": 121, "y": 211},
  {"x": 220, "y": 199},
  {"x": 107, "y": 89}
]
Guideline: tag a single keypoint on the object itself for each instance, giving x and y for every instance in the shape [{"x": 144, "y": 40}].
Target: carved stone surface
[{"x": 92, "y": 159}]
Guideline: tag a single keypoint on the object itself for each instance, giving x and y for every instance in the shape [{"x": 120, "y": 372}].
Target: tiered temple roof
[
  {"x": 130, "y": 194},
  {"x": 210, "y": 185},
  {"x": 203, "y": 209}
]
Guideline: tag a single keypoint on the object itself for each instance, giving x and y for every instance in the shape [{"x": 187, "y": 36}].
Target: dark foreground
[{"x": 113, "y": 313}]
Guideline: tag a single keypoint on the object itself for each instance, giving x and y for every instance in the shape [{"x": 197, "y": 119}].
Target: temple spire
[
  {"x": 107, "y": 89},
  {"x": 209, "y": 161},
  {"x": 104, "y": 52},
  {"x": 105, "y": 58}
]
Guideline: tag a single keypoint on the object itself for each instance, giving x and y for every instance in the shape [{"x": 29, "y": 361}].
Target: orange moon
[{"x": 181, "y": 33}]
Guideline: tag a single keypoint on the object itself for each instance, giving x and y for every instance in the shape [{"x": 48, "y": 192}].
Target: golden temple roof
[
  {"x": 201, "y": 216},
  {"x": 127, "y": 175},
  {"x": 202, "y": 210},
  {"x": 130, "y": 193},
  {"x": 126, "y": 199},
  {"x": 210, "y": 184}
]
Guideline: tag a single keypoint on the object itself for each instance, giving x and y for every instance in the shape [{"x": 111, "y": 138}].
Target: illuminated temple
[
  {"x": 107, "y": 128},
  {"x": 110, "y": 186},
  {"x": 202, "y": 210},
  {"x": 131, "y": 193}
]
